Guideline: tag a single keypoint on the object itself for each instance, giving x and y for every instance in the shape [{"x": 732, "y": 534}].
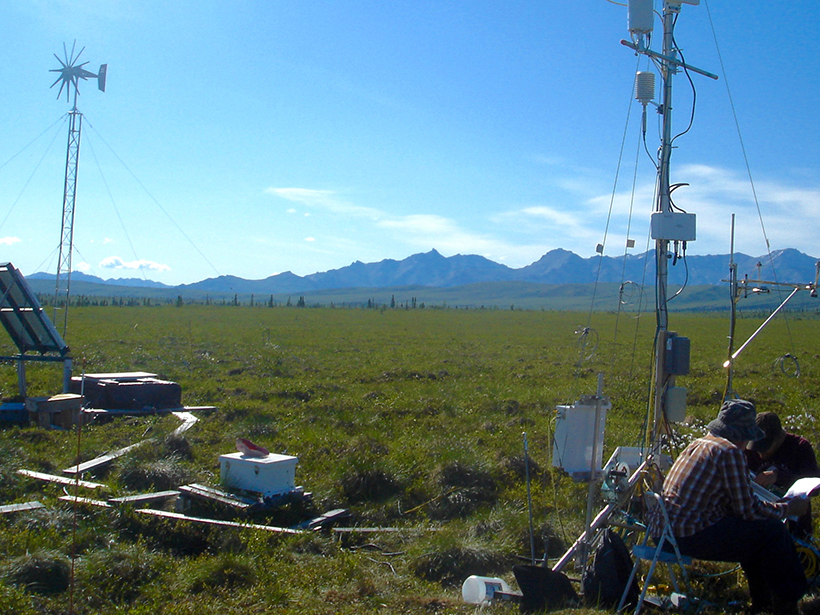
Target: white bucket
[{"x": 479, "y": 590}]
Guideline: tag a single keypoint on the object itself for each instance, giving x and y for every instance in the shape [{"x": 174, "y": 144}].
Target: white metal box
[
  {"x": 270, "y": 475},
  {"x": 578, "y": 441},
  {"x": 675, "y": 408},
  {"x": 673, "y": 226}
]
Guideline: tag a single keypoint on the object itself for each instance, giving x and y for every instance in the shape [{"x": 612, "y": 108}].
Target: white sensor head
[{"x": 644, "y": 86}]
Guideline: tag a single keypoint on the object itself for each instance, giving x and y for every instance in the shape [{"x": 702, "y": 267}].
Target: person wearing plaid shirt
[{"x": 715, "y": 515}]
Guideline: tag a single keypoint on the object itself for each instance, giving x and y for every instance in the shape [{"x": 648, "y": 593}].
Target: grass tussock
[
  {"x": 156, "y": 475},
  {"x": 226, "y": 571},
  {"x": 119, "y": 574},
  {"x": 42, "y": 572},
  {"x": 452, "y": 564}
]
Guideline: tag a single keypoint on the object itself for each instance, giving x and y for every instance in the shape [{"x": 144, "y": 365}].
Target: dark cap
[
  {"x": 769, "y": 422},
  {"x": 736, "y": 422}
]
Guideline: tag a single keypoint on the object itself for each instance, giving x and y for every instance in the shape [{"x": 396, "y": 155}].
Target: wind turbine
[{"x": 69, "y": 76}]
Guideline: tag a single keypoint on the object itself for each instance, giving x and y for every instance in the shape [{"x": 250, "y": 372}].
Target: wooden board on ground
[
  {"x": 112, "y": 412},
  {"x": 218, "y": 496},
  {"x": 81, "y": 500},
  {"x": 218, "y": 522},
  {"x": 144, "y": 498},
  {"x": 188, "y": 421},
  {"x": 60, "y": 480},
  {"x": 374, "y": 530},
  {"x": 324, "y": 520},
  {"x": 102, "y": 460},
  {"x": 13, "y": 508}
]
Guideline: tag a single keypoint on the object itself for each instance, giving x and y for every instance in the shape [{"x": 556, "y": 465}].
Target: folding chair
[{"x": 657, "y": 554}]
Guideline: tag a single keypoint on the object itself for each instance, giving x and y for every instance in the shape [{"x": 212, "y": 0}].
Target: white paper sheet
[{"x": 803, "y": 487}]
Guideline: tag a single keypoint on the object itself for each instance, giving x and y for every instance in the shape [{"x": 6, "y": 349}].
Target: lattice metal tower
[{"x": 70, "y": 75}]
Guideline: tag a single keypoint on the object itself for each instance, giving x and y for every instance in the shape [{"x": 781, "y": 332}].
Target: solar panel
[{"x": 25, "y": 321}]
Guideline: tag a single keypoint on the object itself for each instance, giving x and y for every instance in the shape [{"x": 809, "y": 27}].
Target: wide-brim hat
[
  {"x": 736, "y": 422},
  {"x": 769, "y": 422}
]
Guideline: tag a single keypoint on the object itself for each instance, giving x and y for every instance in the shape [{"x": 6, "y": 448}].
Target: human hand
[{"x": 767, "y": 478}]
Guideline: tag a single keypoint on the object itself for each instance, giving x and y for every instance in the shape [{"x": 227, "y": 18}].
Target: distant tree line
[{"x": 48, "y": 300}]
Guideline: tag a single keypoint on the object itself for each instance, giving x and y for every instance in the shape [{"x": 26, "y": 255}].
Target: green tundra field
[{"x": 412, "y": 419}]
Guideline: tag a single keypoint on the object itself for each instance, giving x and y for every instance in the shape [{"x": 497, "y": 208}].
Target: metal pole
[
  {"x": 733, "y": 292},
  {"x": 529, "y": 497},
  {"x": 593, "y": 463},
  {"x": 664, "y": 205}
]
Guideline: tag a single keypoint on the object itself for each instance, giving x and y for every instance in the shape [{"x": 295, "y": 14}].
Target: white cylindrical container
[
  {"x": 641, "y": 16},
  {"x": 480, "y": 590}
]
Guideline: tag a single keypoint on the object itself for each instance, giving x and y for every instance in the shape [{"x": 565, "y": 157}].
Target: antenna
[{"x": 70, "y": 75}]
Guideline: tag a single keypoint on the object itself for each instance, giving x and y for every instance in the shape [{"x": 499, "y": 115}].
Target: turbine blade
[
  {"x": 60, "y": 61},
  {"x": 55, "y": 83}
]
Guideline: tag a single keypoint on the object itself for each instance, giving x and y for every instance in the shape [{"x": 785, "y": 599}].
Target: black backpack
[{"x": 605, "y": 579}]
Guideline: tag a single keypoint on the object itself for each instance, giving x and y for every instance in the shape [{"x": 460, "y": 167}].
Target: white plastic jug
[{"x": 480, "y": 590}]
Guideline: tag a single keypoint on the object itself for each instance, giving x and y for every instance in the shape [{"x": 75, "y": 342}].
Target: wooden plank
[
  {"x": 121, "y": 376},
  {"x": 60, "y": 480},
  {"x": 143, "y": 498},
  {"x": 13, "y": 508},
  {"x": 217, "y": 495},
  {"x": 188, "y": 421},
  {"x": 81, "y": 500},
  {"x": 325, "y": 519},
  {"x": 144, "y": 412},
  {"x": 127, "y": 412},
  {"x": 374, "y": 530},
  {"x": 103, "y": 459},
  {"x": 248, "y": 526}
]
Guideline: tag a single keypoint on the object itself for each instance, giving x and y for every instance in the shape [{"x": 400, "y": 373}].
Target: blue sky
[{"x": 252, "y": 138}]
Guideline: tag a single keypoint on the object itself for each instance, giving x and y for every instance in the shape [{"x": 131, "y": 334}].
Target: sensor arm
[
  {"x": 670, "y": 60},
  {"x": 760, "y": 328}
]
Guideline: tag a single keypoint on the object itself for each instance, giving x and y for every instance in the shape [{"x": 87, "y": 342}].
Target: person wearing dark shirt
[
  {"x": 715, "y": 515},
  {"x": 780, "y": 458}
]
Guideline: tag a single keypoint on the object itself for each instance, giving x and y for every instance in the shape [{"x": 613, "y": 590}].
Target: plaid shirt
[{"x": 709, "y": 481}]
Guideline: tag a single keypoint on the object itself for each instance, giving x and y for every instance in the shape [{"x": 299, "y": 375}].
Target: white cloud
[
  {"x": 9, "y": 241},
  {"x": 84, "y": 267},
  {"x": 447, "y": 236},
  {"x": 310, "y": 239},
  {"x": 115, "y": 262},
  {"x": 576, "y": 219},
  {"x": 322, "y": 199}
]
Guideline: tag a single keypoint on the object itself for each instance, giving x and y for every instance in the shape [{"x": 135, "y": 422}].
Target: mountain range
[{"x": 431, "y": 269}]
